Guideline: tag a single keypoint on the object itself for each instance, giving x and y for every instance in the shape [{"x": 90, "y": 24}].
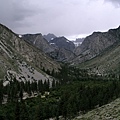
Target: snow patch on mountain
[{"x": 20, "y": 36}]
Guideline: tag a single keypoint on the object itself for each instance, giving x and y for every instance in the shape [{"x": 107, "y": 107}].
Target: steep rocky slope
[
  {"x": 38, "y": 41},
  {"x": 21, "y": 59},
  {"x": 110, "y": 111},
  {"x": 96, "y": 43},
  {"x": 106, "y": 62}
]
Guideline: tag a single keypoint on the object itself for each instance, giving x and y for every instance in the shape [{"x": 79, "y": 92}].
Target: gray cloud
[
  {"x": 13, "y": 12},
  {"x": 61, "y": 17},
  {"x": 114, "y": 2}
]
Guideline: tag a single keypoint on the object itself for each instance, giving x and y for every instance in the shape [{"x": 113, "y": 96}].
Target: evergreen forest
[{"x": 72, "y": 92}]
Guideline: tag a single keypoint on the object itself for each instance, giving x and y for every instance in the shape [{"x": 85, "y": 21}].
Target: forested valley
[{"x": 72, "y": 92}]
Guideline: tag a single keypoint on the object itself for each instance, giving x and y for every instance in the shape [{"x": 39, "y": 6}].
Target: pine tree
[
  {"x": 39, "y": 112},
  {"x": 1, "y": 92},
  {"x": 21, "y": 95},
  {"x": 24, "y": 115},
  {"x": 53, "y": 83},
  {"x": 17, "y": 111},
  {"x": 48, "y": 84}
]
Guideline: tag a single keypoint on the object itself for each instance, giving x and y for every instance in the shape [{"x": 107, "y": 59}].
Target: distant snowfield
[
  {"x": 68, "y": 41},
  {"x": 20, "y": 36},
  {"x": 74, "y": 37},
  {"x": 77, "y": 43},
  {"x": 52, "y": 43}
]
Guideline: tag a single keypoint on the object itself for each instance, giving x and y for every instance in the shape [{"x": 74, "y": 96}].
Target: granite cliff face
[
  {"x": 21, "y": 58},
  {"x": 95, "y": 44}
]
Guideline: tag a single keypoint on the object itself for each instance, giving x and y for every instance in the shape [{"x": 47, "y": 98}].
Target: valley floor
[{"x": 110, "y": 111}]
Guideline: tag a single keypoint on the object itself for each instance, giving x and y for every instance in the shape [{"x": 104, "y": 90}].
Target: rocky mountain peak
[
  {"x": 63, "y": 42},
  {"x": 49, "y": 36}
]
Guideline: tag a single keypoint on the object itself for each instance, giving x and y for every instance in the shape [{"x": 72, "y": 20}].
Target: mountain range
[
  {"x": 98, "y": 52},
  {"x": 59, "y": 48},
  {"x": 37, "y": 57}
]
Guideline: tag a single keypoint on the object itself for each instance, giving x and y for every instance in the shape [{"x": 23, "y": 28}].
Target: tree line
[{"x": 14, "y": 89}]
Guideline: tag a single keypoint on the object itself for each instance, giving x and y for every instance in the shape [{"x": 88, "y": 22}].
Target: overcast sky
[{"x": 71, "y": 18}]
